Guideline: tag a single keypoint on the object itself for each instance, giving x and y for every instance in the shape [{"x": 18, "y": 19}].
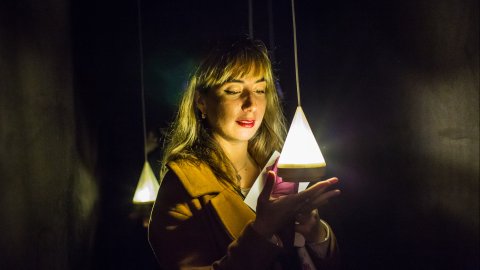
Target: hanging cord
[
  {"x": 142, "y": 87},
  {"x": 250, "y": 18},
  {"x": 271, "y": 34},
  {"x": 295, "y": 51}
]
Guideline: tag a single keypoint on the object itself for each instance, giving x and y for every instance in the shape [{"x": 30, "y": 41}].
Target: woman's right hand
[{"x": 275, "y": 213}]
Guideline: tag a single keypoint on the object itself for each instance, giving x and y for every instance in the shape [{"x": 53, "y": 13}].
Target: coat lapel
[
  {"x": 233, "y": 213},
  {"x": 199, "y": 180}
]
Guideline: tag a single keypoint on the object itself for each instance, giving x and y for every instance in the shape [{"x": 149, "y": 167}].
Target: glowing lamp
[
  {"x": 301, "y": 159},
  {"x": 147, "y": 187}
]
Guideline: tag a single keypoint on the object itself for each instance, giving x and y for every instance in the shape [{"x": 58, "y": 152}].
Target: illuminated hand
[{"x": 275, "y": 213}]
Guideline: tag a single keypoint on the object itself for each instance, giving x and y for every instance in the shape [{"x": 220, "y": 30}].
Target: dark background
[{"x": 390, "y": 88}]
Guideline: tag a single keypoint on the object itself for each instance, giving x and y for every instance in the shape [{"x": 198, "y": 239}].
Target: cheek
[
  {"x": 262, "y": 107},
  {"x": 228, "y": 109},
  {"x": 213, "y": 107},
  {"x": 221, "y": 114}
]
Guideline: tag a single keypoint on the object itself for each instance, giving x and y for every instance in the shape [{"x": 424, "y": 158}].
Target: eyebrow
[{"x": 241, "y": 81}]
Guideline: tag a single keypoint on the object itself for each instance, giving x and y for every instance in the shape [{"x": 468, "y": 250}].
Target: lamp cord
[
  {"x": 250, "y": 18},
  {"x": 271, "y": 33},
  {"x": 295, "y": 51},
  {"x": 142, "y": 86}
]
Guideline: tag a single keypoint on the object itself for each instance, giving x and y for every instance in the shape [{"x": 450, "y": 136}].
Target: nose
[{"x": 249, "y": 102}]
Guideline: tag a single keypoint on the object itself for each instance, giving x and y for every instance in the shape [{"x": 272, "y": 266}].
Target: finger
[
  {"x": 267, "y": 188},
  {"x": 308, "y": 214},
  {"x": 322, "y": 199},
  {"x": 301, "y": 228},
  {"x": 316, "y": 190},
  {"x": 317, "y": 200},
  {"x": 307, "y": 217},
  {"x": 306, "y": 224},
  {"x": 324, "y": 184}
]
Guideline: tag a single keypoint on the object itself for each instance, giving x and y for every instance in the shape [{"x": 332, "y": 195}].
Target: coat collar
[{"x": 196, "y": 177}]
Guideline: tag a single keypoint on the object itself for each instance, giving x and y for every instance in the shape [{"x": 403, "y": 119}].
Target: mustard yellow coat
[{"x": 196, "y": 223}]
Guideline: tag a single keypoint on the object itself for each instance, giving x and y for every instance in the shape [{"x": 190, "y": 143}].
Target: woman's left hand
[{"x": 309, "y": 225}]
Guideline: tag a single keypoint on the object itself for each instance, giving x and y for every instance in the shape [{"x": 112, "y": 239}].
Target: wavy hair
[{"x": 190, "y": 138}]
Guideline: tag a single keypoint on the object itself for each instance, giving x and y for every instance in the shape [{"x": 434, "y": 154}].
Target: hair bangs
[
  {"x": 247, "y": 64},
  {"x": 235, "y": 65}
]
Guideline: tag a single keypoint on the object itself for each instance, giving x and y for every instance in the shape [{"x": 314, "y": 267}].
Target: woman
[{"x": 228, "y": 124}]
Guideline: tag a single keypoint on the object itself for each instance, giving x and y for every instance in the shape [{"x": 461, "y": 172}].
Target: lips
[{"x": 246, "y": 123}]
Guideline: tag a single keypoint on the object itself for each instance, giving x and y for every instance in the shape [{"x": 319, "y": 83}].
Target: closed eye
[
  {"x": 231, "y": 92},
  {"x": 260, "y": 91}
]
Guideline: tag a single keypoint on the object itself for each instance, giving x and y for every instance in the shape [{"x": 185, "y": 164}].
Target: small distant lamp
[
  {"x": 301, "y": 159},
  {"x": 147, "y": 187}
]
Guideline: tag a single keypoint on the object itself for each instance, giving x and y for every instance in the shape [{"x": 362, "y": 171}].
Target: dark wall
[
  {"x": 48, "y": 185},
  {"x": 108, "y": 89},
  {"x": 395, "y": 96},
  {"x": 390, "y": 88}
]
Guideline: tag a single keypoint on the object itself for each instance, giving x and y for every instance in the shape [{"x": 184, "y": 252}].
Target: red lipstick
[{"x": 246, "y": 123}]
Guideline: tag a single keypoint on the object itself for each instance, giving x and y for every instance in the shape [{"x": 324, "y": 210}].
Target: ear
[{"x": 200, "y": 102}]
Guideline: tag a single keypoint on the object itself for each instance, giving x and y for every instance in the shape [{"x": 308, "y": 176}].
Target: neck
[
  {"x": 236, "y": 152},
  {"x": 246, "y": 168}
]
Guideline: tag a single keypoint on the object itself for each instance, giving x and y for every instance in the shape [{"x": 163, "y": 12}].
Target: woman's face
[{"x": 235, "y": 109}]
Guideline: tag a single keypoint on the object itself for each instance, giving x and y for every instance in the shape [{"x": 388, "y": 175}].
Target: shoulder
[{"x": 196, "y": 177}]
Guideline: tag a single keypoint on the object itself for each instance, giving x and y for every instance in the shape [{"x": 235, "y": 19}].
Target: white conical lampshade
[
  {"x": 301, "y": 159},
  {"x": 147, "y": 187}
]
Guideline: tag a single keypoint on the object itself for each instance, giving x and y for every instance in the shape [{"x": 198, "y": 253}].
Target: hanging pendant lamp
[
  {"x": 301, "y": 159},
  {"x": 147, "y": 187}
]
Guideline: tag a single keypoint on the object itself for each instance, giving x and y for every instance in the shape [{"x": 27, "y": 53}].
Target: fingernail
[{"x": 333, "y": 180}]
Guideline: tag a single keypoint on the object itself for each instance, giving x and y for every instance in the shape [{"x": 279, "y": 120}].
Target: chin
[{"x": 247, "y": 137}]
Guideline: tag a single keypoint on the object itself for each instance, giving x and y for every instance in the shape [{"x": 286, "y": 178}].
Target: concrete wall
[{"x": 48, "y": 188}]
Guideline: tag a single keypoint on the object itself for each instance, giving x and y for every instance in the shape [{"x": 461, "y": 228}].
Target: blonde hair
[{"x": 189, "y": 137}]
